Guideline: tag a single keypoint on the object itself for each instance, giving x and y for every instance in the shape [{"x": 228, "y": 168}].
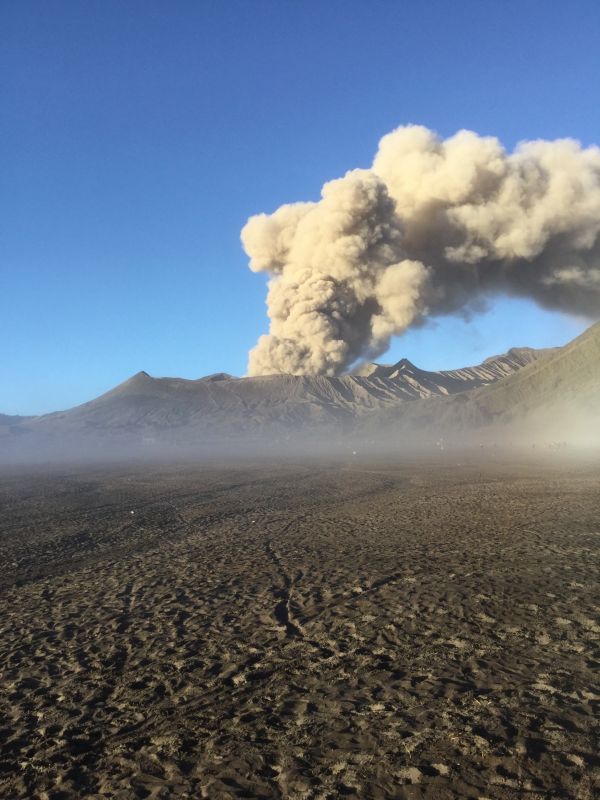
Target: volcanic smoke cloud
[{"x": 434, "y": 227}]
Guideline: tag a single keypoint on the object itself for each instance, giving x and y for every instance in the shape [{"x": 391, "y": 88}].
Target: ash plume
[{"x": 434, "y": 227}]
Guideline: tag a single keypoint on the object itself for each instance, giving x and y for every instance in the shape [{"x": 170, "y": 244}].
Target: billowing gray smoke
[{"x": 434, "y": 227}]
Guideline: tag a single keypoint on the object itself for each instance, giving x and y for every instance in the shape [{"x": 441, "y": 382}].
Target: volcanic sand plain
[{"x": 368, "y": 630}]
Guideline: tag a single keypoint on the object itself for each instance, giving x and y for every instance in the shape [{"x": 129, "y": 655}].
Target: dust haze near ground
[
  {"x": 525, "y": 398},
  {"x": 410, "y": 629},
  {"x": 436, "y": 226}
]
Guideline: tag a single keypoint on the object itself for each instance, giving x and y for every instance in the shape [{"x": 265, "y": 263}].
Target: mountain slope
[
  {"x": 423, "y": 383},
  {"x": 226, "y": 404},
  {"x": 397, "y": 403},
  {"x": 555, "y": 396}
]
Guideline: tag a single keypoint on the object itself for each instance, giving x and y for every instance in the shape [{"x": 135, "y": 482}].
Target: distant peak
[
  {"x": 374, "y": 370},
  {"x": 139, "y": 377},
  {"x": 404, "y": 363}
]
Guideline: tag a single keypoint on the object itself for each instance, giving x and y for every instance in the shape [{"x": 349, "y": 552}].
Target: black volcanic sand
[{"x": 370, "y": 631}]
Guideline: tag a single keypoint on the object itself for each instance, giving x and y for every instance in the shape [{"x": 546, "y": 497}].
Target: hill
[
  {"x": 555, "y": 397},
  {"x": 534, "y": 391}
]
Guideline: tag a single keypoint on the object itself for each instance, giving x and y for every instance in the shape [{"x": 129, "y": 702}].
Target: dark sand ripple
[{"x": 423, "y": 631}]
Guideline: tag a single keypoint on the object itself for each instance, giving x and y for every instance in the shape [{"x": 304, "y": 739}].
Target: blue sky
[{"x": 136, "y": 138}]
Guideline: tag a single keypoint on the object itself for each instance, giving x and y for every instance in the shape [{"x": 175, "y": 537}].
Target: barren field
[{"x": 300, "y": 631}]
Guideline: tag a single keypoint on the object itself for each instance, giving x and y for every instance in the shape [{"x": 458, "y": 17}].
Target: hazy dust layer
[{"x": 301, "y": 632}]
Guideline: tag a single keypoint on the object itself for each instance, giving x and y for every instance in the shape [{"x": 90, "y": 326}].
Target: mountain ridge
[
  {"x": 405, "y": 403},
  {"x": 168, "y": 400},
  {"x": 555, "y": 395}
]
